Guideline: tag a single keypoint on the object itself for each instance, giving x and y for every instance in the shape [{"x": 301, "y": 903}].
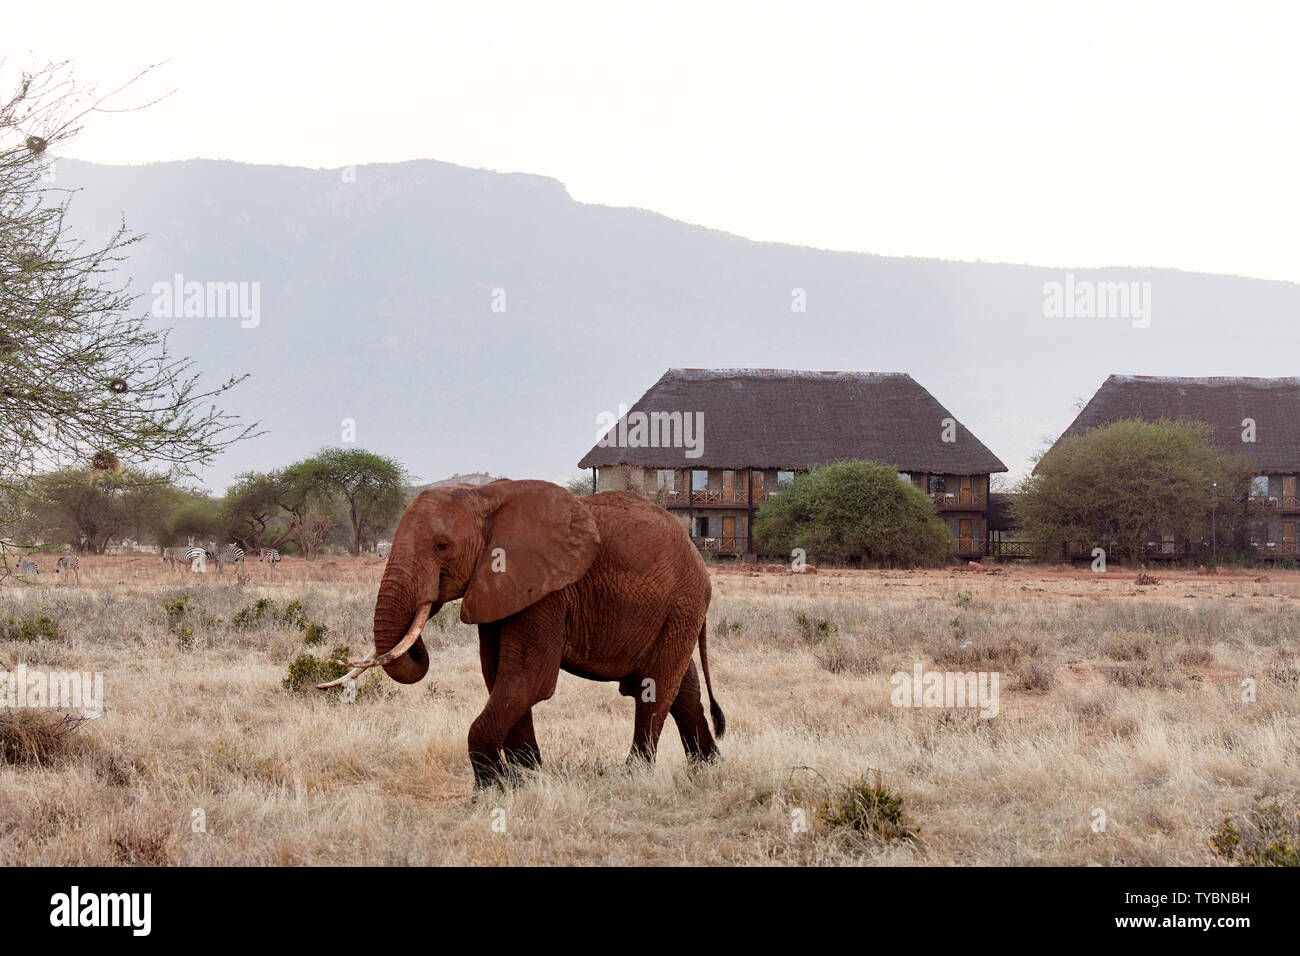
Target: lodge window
[
  {"x": 784, "y": 479},
  {"x": 699, "y": 480},
  {"x": 666, "y": 479},
  {"x": 1259, "y": 486},
  {"x": 904, "y": 476},
  {"x": 701, "y": 526},
  {"x": 938, "y": 484}
]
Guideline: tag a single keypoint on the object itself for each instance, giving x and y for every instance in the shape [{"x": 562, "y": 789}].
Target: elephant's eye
[{"x": 442, "y": 546}]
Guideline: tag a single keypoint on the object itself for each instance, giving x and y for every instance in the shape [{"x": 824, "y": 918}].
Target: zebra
[
  {"x": 198, "y": 559},
  {"x": 173, "y": 556},
  {"x": 69, "y": 562},
  {"x": 270, "y": 556},
  {"x": 384, "y": 548},
  {"x": 231, "y": 554},
  {"x": 26, "y": 567}
]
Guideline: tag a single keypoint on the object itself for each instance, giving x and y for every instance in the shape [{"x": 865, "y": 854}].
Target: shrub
[
  {"x": 292, "y": 614},
  {"x": 251, "y": 616},
  {"x": 814, "y": 630},
  {"x": 871, "y": 808},
  {"x": 313, "y": 633},
  {"x": 854, "y": 509},
  {"x": 30, "y": 629},
  {"x": 176, "y": 610},
  {"x": 1114, "y": 484},
  {"x": 1269, "y": 835},
  {"x": 308, "y": 670}
]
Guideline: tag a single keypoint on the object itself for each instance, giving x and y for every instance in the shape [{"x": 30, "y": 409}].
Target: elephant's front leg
[
  {"x": 521, "y": 664},
  {"x": 521, "y": 744}
]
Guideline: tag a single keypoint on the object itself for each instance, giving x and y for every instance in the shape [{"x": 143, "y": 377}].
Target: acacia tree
[
  {"x": 88, "y": 510},
  {"x": 370, "y": 486},
  {"x": 1121, "y": 485},
  {"x": 855, "y": 509},
  {"x": 252, "y": 504},
  {"x": 84, "y": 380}
]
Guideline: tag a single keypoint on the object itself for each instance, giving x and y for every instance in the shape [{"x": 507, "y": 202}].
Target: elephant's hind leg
[
  {"x": 656, "y": 688},
  {"x": 688, "y": 711}
]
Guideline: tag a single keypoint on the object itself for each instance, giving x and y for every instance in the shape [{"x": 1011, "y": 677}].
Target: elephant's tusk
[
  {"x": 346, "y": 677},
  {"x": 412, "y": 635}
]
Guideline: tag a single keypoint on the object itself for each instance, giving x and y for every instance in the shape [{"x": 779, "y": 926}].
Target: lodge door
[
  {"x": 728, "y": 487},
  {"x": 965, "y": 535},
  {"x": 728, "y": 542},
  {"x": 1288, "y": 491},
  {"x": 758, "y": 486},
  {"x": 1288, "y": 537}
]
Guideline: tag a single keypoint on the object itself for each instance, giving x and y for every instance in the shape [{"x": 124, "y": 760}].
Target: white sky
[{"x": 1129, "y": 133}]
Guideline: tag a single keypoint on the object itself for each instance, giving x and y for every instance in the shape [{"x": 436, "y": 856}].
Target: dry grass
[{"x": 1114, "y": 696}]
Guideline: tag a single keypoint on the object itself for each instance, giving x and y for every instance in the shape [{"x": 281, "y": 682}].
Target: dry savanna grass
[{"x": 1119, "y": 703}]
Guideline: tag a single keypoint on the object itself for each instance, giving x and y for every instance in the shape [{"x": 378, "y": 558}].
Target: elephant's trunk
[
  {"x": 399, "y": 649},
  {"x": 396, "y": 609}
]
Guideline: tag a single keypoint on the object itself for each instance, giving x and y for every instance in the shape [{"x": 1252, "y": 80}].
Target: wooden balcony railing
[
  {"x": 958, "y": 501},
  {"x": 1264, "y": 503},
  {"x": 1018, "y": 549},
  {"x": 672, "y": 497},
  {"x": 720, "y": 545}
]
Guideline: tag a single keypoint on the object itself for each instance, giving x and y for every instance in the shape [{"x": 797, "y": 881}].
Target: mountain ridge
[{"x": 378, "y": 301}]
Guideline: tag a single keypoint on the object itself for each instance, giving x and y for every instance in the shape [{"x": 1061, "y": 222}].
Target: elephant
[{"x": 608, "y": 587}]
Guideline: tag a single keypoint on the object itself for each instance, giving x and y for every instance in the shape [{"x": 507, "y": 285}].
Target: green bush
[
  {"x": 176, "y": 610},
  {"x": 308, "y": 670},
  {"x": 1113, "y": 486},
  {"x": 251, "y": 617},
  {"x": 1268, "y": 835},
  {"x": 854, "y": 510},
  {"x": 292, "y": 614},
  {"x": 871, "y": 809},
  {"x": 313, "y": 633},
  {"x": 814, "y": 630},
  {"x": 30, "y": 629}
]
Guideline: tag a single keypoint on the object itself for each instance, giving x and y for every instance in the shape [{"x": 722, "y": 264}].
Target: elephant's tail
[{"x": 719, "y": 719}]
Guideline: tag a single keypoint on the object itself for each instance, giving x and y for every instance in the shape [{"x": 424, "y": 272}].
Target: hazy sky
[{"x": 1102, "y": 134}]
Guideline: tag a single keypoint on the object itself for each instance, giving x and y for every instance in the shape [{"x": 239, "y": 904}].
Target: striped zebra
[
  {"x": 173, "y": 557},
  {"x": 26, "y": 567},
  {"x": 231, "y": 554},
  {"x": 384, "y": 548},
  {"x": 70, "y": 563},
  {"x": 270, "y": 556},
  {"x": 198, "y": 559}
]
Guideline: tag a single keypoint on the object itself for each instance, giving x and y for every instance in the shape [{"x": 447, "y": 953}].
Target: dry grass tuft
[{"x": 37, "y": 736}]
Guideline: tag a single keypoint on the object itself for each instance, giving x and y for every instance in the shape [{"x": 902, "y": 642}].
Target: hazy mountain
[
  {"x": 475, "y": 478},
  {"x": 377, "y": 305}
]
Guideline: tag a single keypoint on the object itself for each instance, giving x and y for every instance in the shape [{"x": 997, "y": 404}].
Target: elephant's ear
[{"x": 539, "y": 539}]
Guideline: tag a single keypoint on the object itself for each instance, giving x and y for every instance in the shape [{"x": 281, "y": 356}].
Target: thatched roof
[
  {"x": 777, "y": 418},
  {"x": 1273, "y": 403}
]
